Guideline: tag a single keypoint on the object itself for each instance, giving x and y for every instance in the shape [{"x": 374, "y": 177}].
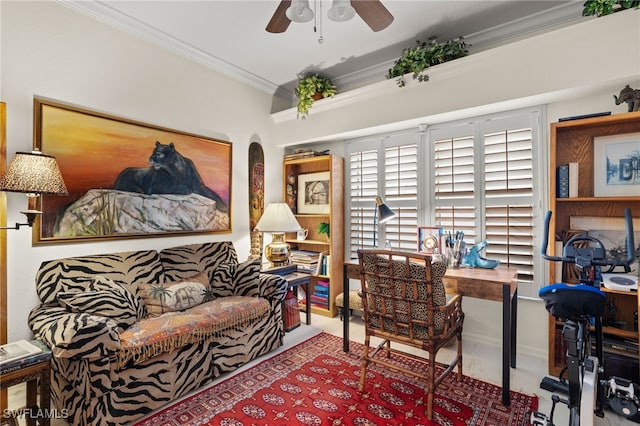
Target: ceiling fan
[{"x": 372, "y": 12}]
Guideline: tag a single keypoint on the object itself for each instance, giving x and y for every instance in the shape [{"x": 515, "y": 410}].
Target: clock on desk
[{"x": 428, "y": 239}]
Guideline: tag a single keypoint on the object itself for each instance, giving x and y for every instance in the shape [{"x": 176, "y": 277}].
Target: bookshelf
[
  {"x": 299, "y": 173},
  {"x": 573, "y": 141}
]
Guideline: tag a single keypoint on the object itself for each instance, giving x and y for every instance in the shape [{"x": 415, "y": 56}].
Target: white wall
[{"x": 51, "y": 51}]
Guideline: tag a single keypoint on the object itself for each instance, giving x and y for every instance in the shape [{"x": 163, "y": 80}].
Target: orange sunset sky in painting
[{"x": 91, "y": 151}]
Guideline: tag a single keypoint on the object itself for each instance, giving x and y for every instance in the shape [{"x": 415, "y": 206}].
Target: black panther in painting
[{"x": 170, "y": 173}]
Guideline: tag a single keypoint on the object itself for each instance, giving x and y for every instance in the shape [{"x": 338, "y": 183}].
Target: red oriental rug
[{"x": 316, "y": 383}]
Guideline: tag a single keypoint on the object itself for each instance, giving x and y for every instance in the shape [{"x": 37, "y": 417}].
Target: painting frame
[
  {"x": 610, "y": 231},
  {"x": 429, "y": 239},
  {"x": 616, "y": 165},
  {"x": 114, "y": 165},
  {"x": 314, "y": 193}
]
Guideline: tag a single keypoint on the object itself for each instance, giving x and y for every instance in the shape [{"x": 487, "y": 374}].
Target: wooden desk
[{"x": 498, "y": 285}]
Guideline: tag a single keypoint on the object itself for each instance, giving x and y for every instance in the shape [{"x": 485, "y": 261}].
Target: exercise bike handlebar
[{"x": 599, "y": 258}]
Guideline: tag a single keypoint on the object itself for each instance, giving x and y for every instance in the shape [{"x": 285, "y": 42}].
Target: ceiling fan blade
[
  {"x": 373, "y": 13},
  {"x": 279, "y": 21}
]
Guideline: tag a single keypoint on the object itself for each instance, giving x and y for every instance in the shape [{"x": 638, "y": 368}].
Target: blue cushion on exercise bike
[{"x": 573, "y": 301}]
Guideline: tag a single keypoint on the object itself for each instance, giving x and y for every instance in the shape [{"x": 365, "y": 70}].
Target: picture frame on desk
[
  {"x": 429, "y": 238},
  {"x": 616, "y": 165}
]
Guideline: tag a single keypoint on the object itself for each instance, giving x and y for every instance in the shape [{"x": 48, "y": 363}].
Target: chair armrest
[
  {"x": 453, "y": 315},
  {"x": 74, "y": 335},
  {"x": 268, "y": 286}
]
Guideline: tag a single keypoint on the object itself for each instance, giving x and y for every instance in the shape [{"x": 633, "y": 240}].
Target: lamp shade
[
  {"x": 33, "y": 173},
  {"x": 299, "y": 11},
  {"x": 384, "y": 212},
  {"x": 341, "y": 11},
  {"x": 278, "y": 217}
]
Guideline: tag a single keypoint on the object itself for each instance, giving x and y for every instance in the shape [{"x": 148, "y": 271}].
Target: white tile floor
[{"x": 480, "y": 360}]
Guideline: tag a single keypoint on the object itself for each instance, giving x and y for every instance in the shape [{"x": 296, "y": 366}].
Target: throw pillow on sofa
[
  {"x": 103, "y": 298},
  {"x": 175, "y": 296}
]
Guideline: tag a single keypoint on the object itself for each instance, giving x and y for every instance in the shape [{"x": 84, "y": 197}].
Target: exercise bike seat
[{"x": 573, "y": 301}]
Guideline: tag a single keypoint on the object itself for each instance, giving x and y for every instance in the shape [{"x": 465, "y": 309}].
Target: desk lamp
[
  {"x": 382, "y": 214},
  {"x": 277, "y": 219}
]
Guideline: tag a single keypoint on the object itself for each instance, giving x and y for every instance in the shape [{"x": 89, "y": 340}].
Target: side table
[
  {"x": 294, "y": 279},
  {"x": 37, "y": 375}
]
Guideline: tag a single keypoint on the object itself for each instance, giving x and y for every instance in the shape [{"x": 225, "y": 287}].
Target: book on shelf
[
  {"x": 305, "y": 260},
  {"x": 20, "y": 354},
  {"x": 562, "y": 181},
  {"x": 302, "y": 154},
  {"x": 573, "y": 179}
]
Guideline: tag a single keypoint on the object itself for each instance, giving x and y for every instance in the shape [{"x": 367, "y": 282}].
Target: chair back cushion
[{"x": 400, "y": 290}]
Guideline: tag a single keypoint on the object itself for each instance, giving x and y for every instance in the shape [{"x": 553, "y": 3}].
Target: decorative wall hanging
[{"x": 128, "y": 179}]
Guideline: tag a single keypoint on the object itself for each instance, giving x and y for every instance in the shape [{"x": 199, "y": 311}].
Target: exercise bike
[{"x": 581, "y": 307}]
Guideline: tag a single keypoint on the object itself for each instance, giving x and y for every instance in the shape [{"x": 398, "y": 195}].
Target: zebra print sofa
[{"x": 104, "y": 372}]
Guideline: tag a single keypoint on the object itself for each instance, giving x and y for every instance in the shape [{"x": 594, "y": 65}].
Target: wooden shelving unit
[
  {"x": 572, "y": 141},
  {"x": 334, "y": 215}
]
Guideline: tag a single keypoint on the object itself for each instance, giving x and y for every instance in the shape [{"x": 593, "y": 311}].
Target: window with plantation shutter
[
  {"x": 480, "y": 176},
  {"x": 385, "y": 166},
  {"x": 484, "y": 184}
]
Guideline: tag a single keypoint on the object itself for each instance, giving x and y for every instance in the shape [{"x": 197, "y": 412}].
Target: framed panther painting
[{"x": 128, "y": 179}]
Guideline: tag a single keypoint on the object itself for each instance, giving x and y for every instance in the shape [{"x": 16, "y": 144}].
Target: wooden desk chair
[{"x": 404, "y": 302}]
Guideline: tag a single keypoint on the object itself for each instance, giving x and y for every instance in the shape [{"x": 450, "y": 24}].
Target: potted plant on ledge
[
  {"x": 424, "y": 55},
  {"x": 310, "y": 88}
]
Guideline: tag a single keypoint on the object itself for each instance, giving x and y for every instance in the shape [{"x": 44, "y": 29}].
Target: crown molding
[{"x": 103, "y": 13}]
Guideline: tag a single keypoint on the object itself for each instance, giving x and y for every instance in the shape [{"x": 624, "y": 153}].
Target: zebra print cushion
[
  {"x": 126, "y": 268},
  {"x": 175, "y": 296},
  {"x": 105, "y": 299},
  {"x": 188, "y": 260},
  {"x": 246, "y": 275}
]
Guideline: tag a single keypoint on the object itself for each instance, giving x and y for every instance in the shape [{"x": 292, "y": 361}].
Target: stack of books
[
  {"x": 17, "y": 355},
  {"x": 306, "y": 261},
  {"x": 320, "y": 296}
]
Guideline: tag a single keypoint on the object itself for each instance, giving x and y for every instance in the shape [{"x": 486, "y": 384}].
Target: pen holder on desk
[{"x": 455, "y": 257}]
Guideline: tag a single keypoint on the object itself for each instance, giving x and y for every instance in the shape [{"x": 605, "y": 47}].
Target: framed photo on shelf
[
  {"x": 616, "y": 165},
  {"x": 610, "y": 231},
  {"x": 429, "y": 238},
  {"x": 313, "y": 193}
]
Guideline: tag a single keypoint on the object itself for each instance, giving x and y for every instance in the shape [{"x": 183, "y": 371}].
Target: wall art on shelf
[
  {"x": 128, "y": 179},
  {"x": 313, "y": 193},
  {"x": 429, "y": 238},
  {"x": 616, "y": 165},
  {"x": 610, "y": 231}
]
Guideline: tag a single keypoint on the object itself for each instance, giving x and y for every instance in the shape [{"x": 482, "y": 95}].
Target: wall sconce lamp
[
  {"x": 34, "y": 174},
  {"x": 277, "y": 219},
  {"x": 381, "y": 214}
]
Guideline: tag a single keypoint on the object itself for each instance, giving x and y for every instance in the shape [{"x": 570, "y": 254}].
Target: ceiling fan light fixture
[
  {"x": 299, "y": 11},
  {"x": 341, "y": 11}
]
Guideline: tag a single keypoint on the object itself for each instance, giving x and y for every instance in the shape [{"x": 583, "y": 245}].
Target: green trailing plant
[
  {"x": 424, "y": 55},
  {"x": 310, "y": 88},
  {"x": 607, "y": 7},
  {"x": 324, "y": 228}
]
